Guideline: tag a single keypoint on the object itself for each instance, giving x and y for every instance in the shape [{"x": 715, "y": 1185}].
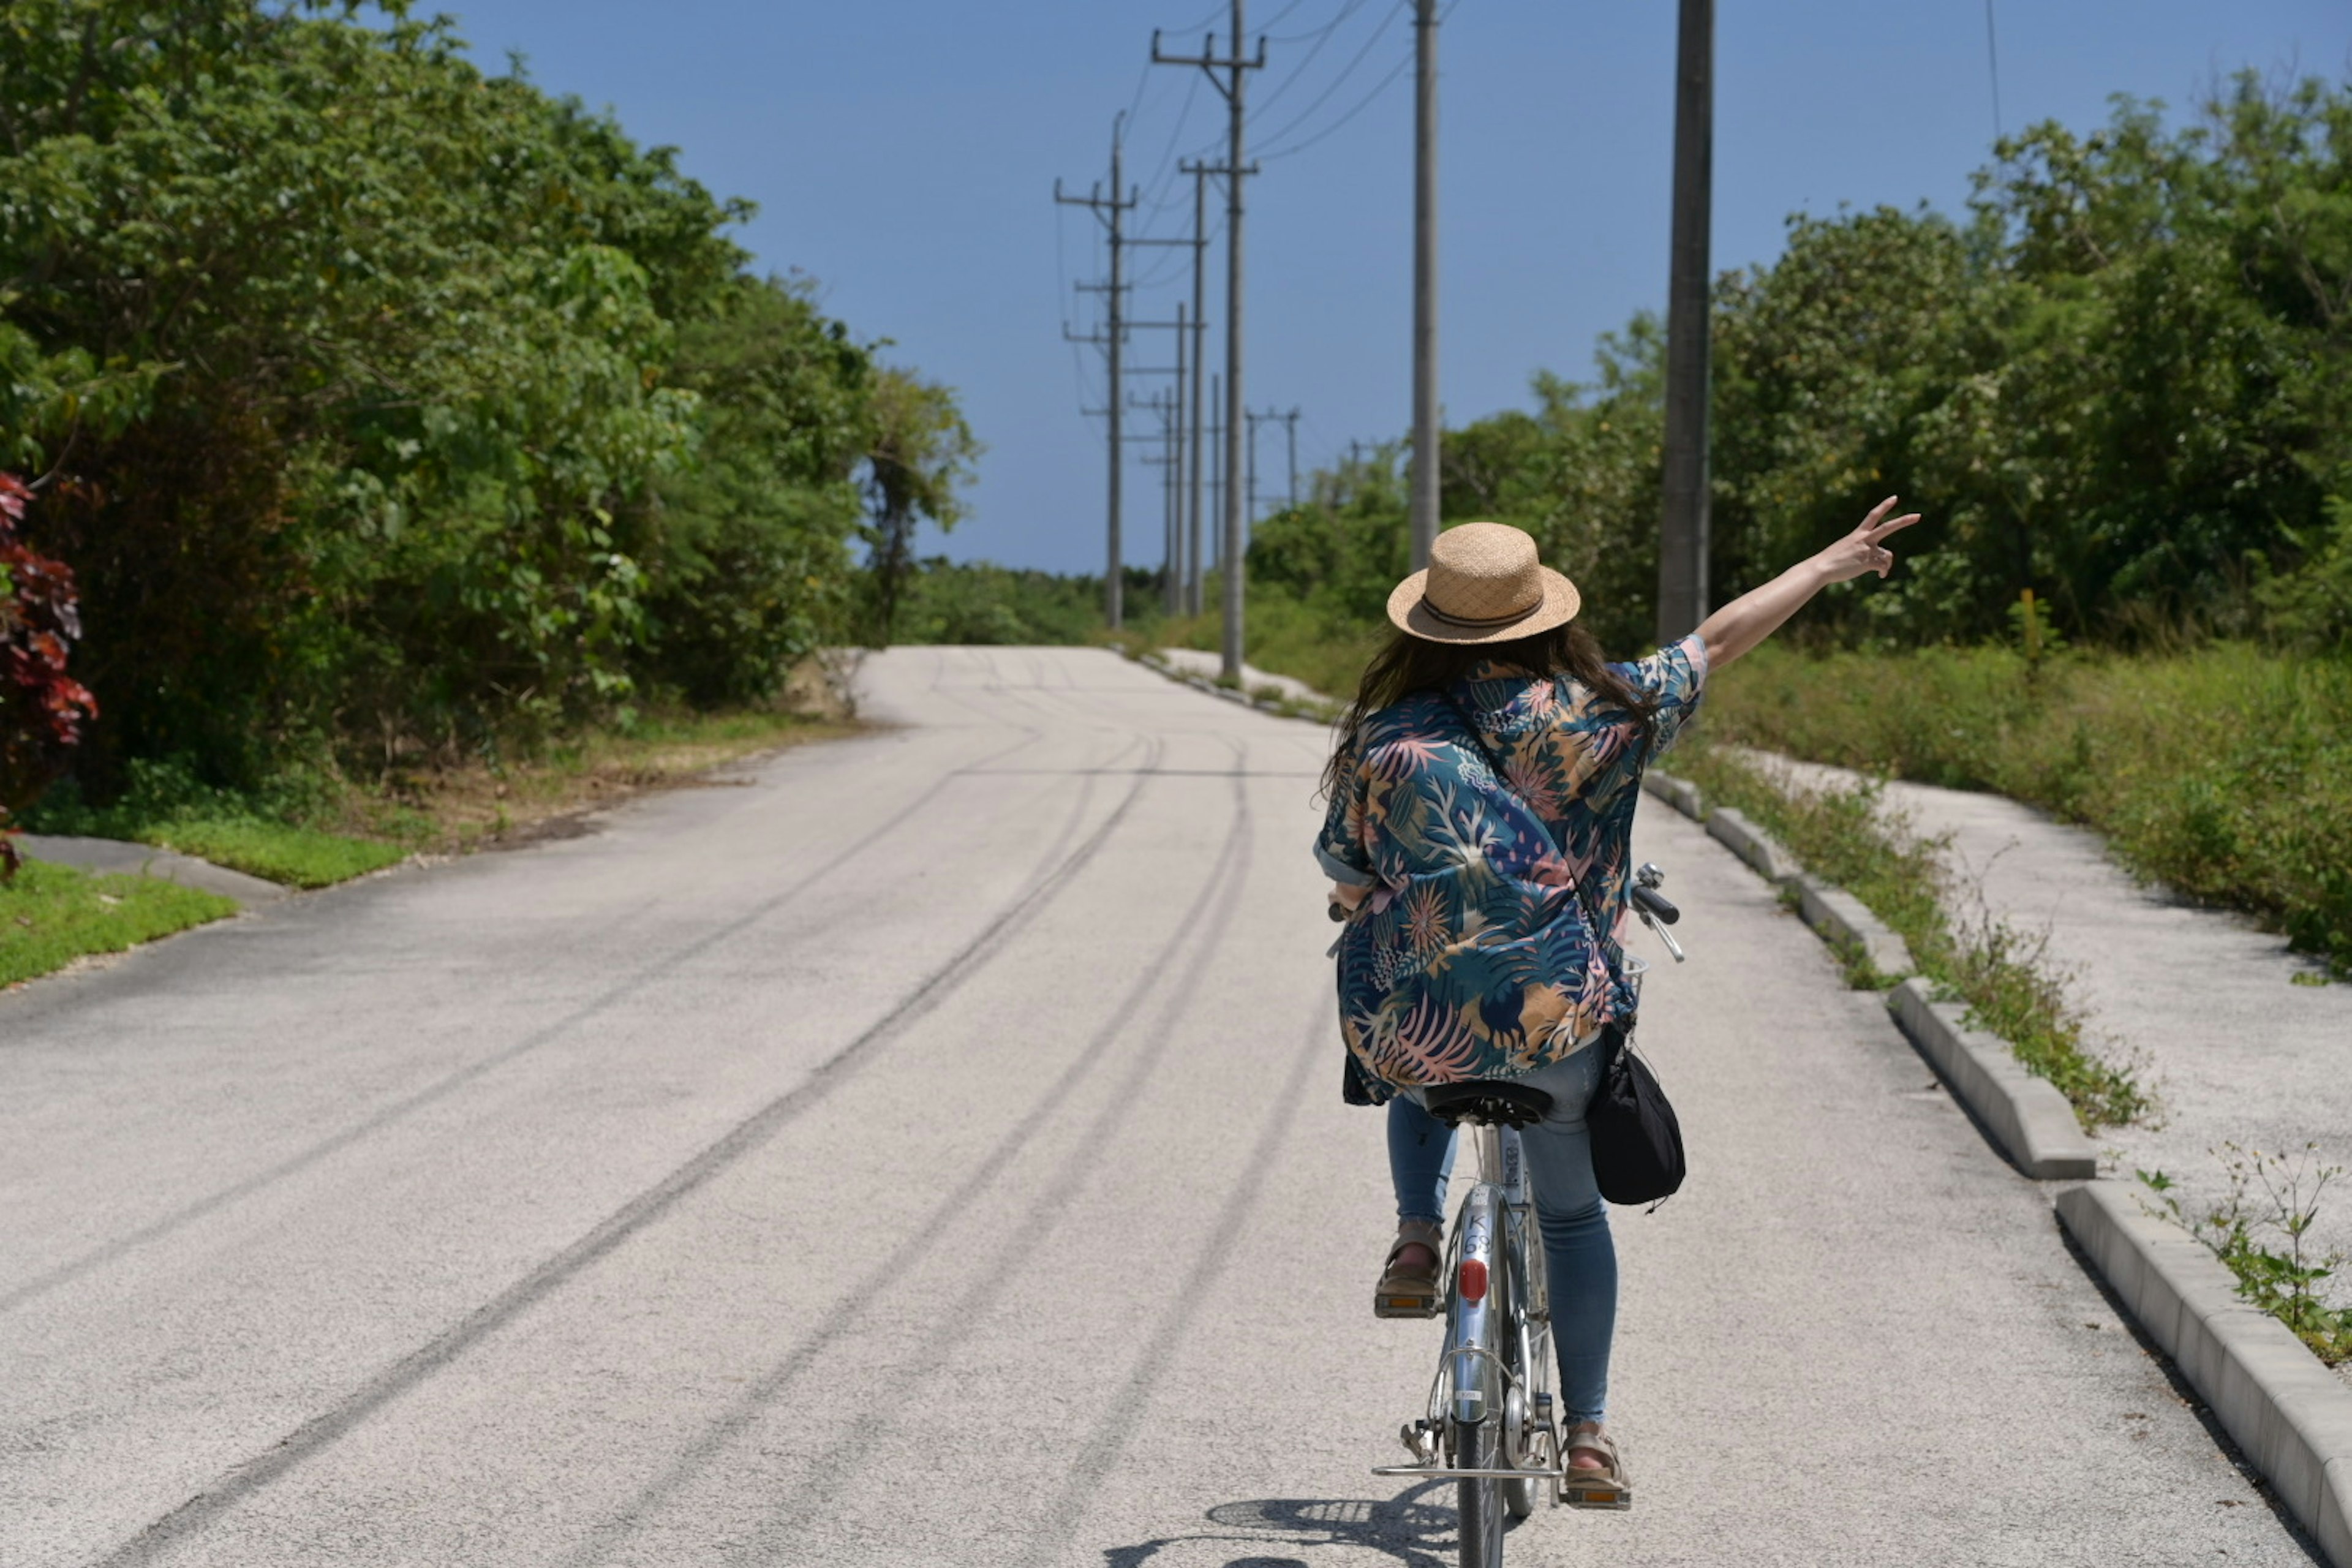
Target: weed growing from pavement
[
  {"x": 2265, "y": 1242},
  {"x": 1852, "y": 839}
]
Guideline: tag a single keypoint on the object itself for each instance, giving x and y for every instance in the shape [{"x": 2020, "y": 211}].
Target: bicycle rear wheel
[{"x": 1478, "y": 1446}]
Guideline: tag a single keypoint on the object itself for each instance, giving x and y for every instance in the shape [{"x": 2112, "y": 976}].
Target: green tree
[{"x": 919, "y": 456}]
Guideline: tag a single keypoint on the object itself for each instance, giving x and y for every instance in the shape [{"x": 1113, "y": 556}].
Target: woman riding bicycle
[{"x": 1483, "y": 786}]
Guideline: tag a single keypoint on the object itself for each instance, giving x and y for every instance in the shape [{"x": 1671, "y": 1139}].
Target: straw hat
[{"x": 1483, "y": 585}]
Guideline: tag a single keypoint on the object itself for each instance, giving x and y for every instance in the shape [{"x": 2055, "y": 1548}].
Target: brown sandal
[
  {"x": 1411, "y": 1292},
  {"x": 1606, "y": 1488}
]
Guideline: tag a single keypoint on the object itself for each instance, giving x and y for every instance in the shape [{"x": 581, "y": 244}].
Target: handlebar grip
[
  {"x": 1656, "y": 903},
  {"x": 1339, "y": 912}
]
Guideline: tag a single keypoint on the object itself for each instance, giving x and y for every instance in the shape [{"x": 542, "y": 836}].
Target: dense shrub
[
  {"x": 43, "y": 708},
  {"x": 2123, "y": 381},
  {"x": 405, "y": 408}
]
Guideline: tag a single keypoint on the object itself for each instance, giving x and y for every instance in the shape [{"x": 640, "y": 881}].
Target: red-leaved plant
[{"x": 42, "y": 709}]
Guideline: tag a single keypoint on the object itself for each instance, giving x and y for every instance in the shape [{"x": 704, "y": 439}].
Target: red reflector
[{"x": 1473, "y": 1279}]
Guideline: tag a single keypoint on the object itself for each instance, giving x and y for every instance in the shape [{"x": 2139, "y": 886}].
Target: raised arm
[{"x": 1758, "y": 614}]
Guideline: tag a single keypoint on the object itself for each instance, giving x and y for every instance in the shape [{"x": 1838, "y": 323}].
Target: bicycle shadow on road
[{"x": 1295, "y": 1532}]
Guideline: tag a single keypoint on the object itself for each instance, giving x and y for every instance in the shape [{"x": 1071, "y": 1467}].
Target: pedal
[
  {"x": 1420, "y": 1441},
  {"x": 1603, "y": 1496},
  {"x": 1387, "y": 1305}
]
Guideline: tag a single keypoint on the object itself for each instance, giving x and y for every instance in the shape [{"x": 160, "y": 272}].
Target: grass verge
[
  {"x": 51, "y": 915},
  {"x": 1850, "y": 838},
  {"x": 2224, "y": 771},
  {"x": 314, "y": 833},
  {"x": 1281, "y": 637}
]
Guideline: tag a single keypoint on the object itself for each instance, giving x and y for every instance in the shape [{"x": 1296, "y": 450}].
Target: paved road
[{"x": 931, "y": 1151}]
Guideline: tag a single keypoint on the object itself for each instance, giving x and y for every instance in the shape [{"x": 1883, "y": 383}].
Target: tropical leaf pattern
[{"x": 1473, "y": 957}]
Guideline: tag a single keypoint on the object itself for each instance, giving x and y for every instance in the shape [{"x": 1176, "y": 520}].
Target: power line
[
  {"x": 1111, "y": 212},
  {"x": 1160, "y": 194},
  {"x": 1338, "y": 81},
  {"x": 1320, "y": 37},
  {"x": 1234, "y": 171},
  {"x": 1361, "y": 104}
]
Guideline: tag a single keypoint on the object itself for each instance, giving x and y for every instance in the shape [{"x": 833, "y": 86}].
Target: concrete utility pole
[
  {"x": 1424, "y": 501},
  {"x": 1290, "y": 429},
  {"x": 1174, "y": 572},
  {"x": 1682, "y": 539},
  {"x": 1169, "y": 407},
  {"x": 1250, "y": 483},
  {"x": 1111, "y": 212},
  {"x": 1216, "y": 445},
  {"x": 1235, "y": 171},
  {"x": 1200, "y": 362},
  {"x": 1198, "y": 242}
]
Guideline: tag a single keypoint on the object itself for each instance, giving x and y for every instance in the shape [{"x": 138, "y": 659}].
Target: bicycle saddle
[{"x": 1493, "y": 1101}]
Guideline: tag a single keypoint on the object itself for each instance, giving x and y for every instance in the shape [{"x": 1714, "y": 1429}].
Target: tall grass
[
  {"x": 2225, "y": 771},
  {"x": 1284, "y": 637}
]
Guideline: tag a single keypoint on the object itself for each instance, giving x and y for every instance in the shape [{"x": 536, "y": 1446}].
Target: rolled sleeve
[
  {"x": 1674, "y": 678},
  {"x": 1338, "y": 848}
]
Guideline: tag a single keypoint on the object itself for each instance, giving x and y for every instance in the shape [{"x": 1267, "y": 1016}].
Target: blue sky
[{"x": 903, "y": 154}]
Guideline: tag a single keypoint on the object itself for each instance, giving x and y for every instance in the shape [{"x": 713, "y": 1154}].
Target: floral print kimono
[{"x": 1472, "y": 956}]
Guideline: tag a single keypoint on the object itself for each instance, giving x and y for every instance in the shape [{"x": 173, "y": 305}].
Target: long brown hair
[{"x": 1407, "y": 664}]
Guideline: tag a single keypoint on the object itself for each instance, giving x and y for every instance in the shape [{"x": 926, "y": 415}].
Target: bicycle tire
[{"x": 1480, "y": 1501}]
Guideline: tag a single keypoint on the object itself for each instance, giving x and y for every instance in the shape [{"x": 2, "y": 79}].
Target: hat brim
[{"x": 1409, "y": 611}]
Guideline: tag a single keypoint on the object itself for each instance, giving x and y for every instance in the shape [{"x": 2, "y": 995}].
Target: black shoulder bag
[{"x": 1637, "y": 1142}]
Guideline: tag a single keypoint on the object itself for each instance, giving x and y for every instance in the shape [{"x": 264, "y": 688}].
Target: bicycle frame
[{"x": 1495, "y": 1370}]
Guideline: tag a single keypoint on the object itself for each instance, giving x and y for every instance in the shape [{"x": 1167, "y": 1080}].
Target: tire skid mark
[
  {"x": 1222, "y": 888},
  {"x": 1101, "y": 1447},
  {"x": 965, "y": 1318},
  {"x": 441, "y": 1088},
  {"x": 322, "y": 1431}
]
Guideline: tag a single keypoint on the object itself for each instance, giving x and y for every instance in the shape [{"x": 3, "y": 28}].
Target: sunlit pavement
[{"x": 930, "y": 1151}]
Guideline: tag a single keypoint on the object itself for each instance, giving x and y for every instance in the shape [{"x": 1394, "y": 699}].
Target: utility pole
[
  {"x": 1174, "y": 587},
  {"x": 1190, "y": 602},
  {"x": 1169, "y": 407},
  {"x": 1251, "y": 483},
  {"x": 1216, "y": 461},
  {"x": 1115, "y": 206},
  {"x": 1199, "y": 173},
  {"x": 1683, "y": 535},
  {"x": 1234, "y": 171},
  {"x": 1291, "y": 421},
  {"x": 1424, "y": 501}
]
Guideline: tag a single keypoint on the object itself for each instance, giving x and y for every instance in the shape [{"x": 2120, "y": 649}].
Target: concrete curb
[
  {"x": 1202, "y": 683},
  {"x": 2028, "y": 1118},
  {"x": 1751, "y": 844},
  {"x": 1844, "y": 922},
  {"x": 1680, "y": 793},
  {"x": 2288, "y": 1413},
  {"x": 2291, "y": 1415}
]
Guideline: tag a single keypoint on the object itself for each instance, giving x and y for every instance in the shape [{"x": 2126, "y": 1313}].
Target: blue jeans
[{"x": 1580, "y": 1256}]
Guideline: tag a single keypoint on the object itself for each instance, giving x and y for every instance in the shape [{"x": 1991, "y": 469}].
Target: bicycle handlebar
[{"x": 1649, "y": 900}]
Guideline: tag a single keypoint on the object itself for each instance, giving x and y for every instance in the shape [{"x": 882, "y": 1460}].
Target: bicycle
[{"x": 1490, "y": 1424}]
